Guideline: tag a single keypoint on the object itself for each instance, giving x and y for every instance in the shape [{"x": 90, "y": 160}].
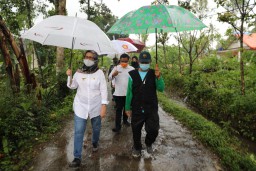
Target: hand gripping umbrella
[
  {"x": 70, "y": 32},
  {"x": 157, "y": 19}
]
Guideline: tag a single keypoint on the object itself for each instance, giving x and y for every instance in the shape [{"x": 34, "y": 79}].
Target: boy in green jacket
[{"x": 142, "y": 104}]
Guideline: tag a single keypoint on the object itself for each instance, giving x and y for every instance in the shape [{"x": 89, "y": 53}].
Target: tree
[
  {"x": 160, "y": 2},
  {"x": 162, "y": 37},
  {"x": 22, "y": 17},
  {"x": 60, "y": 63},
  {"x": 8, "y": 62},
  {"x": 144, "y": 38},
  {"x": 101, "y": 15},
  {"x": 20, "y": 14},
  {"x": 239, "y": 14},
  {"x": 195, "y": 43},
  {"x": 19, "y": 53}
]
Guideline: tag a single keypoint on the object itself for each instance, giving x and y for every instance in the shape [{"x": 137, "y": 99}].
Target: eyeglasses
[{"x": 144, "y": 62}]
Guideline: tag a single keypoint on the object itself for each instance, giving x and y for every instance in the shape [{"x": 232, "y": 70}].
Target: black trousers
[
  {"x": 120, "y": 111},
  {"x": 151, "y": 120}
]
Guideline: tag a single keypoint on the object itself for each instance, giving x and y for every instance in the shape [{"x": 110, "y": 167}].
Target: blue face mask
[{"x": 144, "y": 67}]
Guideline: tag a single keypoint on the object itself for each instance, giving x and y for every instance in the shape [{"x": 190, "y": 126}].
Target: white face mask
[{"x": 88, "y": 62}]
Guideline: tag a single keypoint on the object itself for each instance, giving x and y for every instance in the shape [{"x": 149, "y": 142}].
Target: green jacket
[{"x": 159, "y": 87}]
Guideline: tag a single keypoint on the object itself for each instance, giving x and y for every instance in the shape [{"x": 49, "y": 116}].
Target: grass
[{"x": 218, "y": 140}]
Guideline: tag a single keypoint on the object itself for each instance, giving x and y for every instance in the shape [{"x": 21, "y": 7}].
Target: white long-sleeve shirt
[
  {"x": 121, "y": 80},
  {"x": 91, "y": 93}
]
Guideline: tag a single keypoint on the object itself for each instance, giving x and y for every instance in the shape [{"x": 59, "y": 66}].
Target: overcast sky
[{"x": 120, "y": 8}]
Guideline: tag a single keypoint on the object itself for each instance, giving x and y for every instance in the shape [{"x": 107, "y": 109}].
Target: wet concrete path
[{"x": 174, "y": 150}]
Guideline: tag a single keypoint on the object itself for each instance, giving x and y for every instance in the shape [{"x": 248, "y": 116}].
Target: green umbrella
[{"x": 157, "y": 19}]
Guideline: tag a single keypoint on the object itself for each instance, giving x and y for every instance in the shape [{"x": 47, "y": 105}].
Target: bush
[
  {"x": 217, "y": 94},
  {"x": 24, "y": 119}
]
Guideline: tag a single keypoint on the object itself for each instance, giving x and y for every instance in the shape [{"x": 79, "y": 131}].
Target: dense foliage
[
  {"x": 213, "y": 88},
  {"x": 24, "y": 119}
]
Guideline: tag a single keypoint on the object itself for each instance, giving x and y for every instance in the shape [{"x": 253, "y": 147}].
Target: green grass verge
[{"x": 219, "y": 140}]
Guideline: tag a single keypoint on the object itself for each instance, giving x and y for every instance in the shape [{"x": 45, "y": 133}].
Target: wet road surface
[{"x": 174, "y": 150}]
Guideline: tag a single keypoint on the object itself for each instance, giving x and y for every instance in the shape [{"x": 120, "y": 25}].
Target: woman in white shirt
[{"x": 90, "y": 101}]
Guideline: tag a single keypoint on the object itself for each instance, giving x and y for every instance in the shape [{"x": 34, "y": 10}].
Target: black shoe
[
  {"x": 149, "y": 149},
  {"x": 116, "y": 130},
  {"x": 136, "y": 153},
  {"x": 95, "y": 147},
  {"x": 127, "y": 124},
  {"x": 75, "y": 163}
]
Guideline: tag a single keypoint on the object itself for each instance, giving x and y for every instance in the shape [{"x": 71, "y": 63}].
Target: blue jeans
[{"x": 80, "y": 126}]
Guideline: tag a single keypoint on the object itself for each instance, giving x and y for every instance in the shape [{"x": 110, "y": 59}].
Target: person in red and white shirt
[{"x": 121, "y": 76}]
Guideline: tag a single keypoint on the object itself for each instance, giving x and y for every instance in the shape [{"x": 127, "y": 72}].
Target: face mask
[
  {"x": 124, "y": 65},
  {"x": 88, "y": 62},
  {"x": 144, "y": 67}
]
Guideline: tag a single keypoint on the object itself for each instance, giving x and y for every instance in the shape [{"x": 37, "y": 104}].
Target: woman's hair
[
  {"x": 94, "y": 67},
  {"x": 95, "y": 54}
]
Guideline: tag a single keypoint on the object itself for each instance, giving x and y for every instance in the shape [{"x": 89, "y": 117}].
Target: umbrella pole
[
  {"x": 156, "y": 44},
  {"x": 70, "y": 62}
]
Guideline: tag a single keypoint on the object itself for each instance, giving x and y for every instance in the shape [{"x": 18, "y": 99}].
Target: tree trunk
[
  {"x": 59, "y": 60},
  {"x": 165, "y": 60},
  {"x": 17, "y": 76},
  {"x": 27, "y": 2},
  {"x": 32, "y": 78},
  {"x": 39, "y": 64},
  {"x": 20, "y": 56},
  {"x": 60, "y": 51},
  {"x": 28, "y": 13},
  {"x": 8, "y": 62},
  {"x": 179, "y": 57},
  {"x": 242, "y": 62},
  {"x": 190, "y": 63}
]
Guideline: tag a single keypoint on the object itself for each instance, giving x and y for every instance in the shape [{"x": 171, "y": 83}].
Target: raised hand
[
  {"x": 69, "y": 72},
  {"x": 157, "y": 71}
]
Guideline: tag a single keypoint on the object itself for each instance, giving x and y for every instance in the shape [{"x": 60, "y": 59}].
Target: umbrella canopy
[
  {"x": 138, "y": 44},
  {"x": 161, "y": 17},
  {"x": 70, "y": 32},
  {"x": 156, "y": 19},
  {"x": 123, "y": 46}
]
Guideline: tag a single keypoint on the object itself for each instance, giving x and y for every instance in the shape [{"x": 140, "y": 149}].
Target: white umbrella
[
  {"x": 123, "y": 46},
  {"x": 70, "y": 32}
]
